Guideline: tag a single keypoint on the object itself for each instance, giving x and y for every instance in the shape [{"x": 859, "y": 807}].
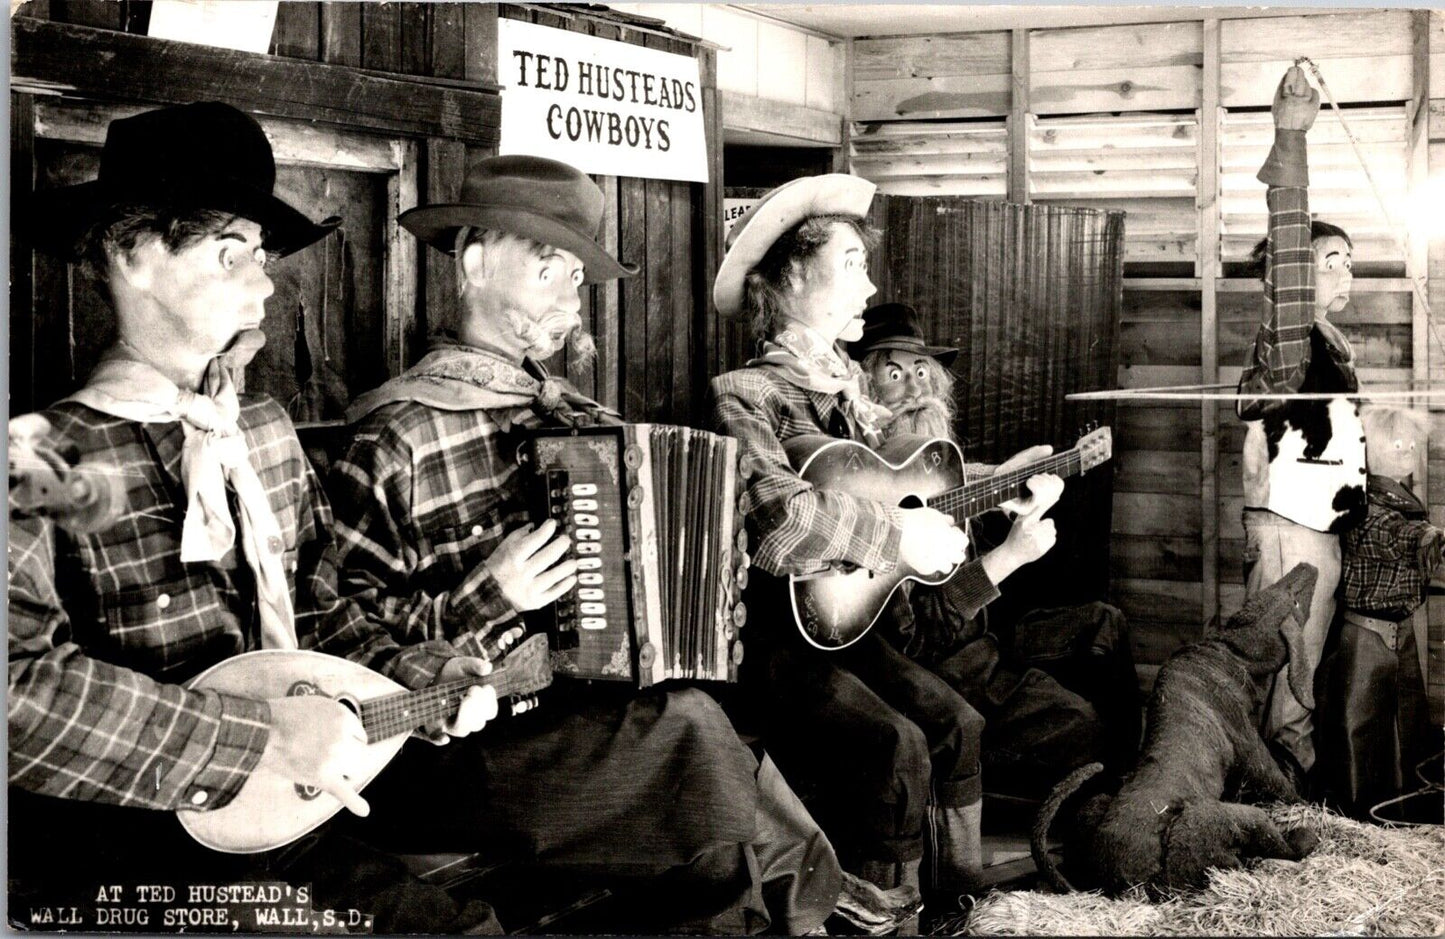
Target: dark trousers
[{"x": 868, "y": 737}]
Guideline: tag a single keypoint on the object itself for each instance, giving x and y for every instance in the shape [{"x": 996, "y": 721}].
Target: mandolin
[
  {"x": 836, "y": 608},
  {"x": 271, "y": 811}
]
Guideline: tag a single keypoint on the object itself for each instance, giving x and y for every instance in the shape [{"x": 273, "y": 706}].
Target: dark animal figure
[{"x": 1166, "y": 825}]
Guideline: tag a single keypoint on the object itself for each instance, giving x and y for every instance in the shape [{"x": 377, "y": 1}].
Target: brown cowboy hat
[
  {"x": 206, "y": 155},
  {"x": 896, "y": 326},
  {"x": 778, "y": 211},
  {"x": 545, "y": 200}
]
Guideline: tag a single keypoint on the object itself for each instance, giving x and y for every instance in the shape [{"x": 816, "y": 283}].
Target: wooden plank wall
[
  {"x": 655, "y": 335},
  {"x": 1169, "y": 122}
]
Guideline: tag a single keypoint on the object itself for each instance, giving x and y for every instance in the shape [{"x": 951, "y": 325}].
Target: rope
[
  {"x": 1416, "y": 279},
  {"x": 1146, "y": 394}
]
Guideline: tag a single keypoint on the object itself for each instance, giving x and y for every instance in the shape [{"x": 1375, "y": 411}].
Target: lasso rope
[{"x": 1414, "y": 277}]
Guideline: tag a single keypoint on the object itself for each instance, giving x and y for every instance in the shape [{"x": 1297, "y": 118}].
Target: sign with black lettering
[
  {"x": 604, "y": 107},
  {"x": 735, "y": 209}
]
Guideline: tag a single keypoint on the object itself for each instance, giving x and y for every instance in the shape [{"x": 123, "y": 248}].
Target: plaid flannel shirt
[
  {"x": 423, "y": 496},
  {"x": 104, "y": 628},
  {"x": 1388, "y": 559},
  {"x": 802, "y": 529},
  {"x": 1281, "y": 354}
]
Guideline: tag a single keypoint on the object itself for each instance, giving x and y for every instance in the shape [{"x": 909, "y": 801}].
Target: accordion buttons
[
  {"x": 584, "y": 489},
  {"x": 742, "y": 542},
  {"x": 590, "y": 580},
  {"x": 742, "y": 578},
  {"x": 589, "y": 564},
  {"x": 584, "y": 505},
  {"x": 646, "y": 655},
  {"x": 589, "y": 593},
  {"x": 634, "y": 498},
  {"x": 588, "y": 534},
  {"x": 593, "y": 609},
  {"x": 585, "y": 521},
  {"x": 588, "y": 547},
  {"x": 593, "y": 622}
]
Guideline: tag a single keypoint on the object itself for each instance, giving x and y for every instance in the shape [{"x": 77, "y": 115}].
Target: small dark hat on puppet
[
  {"x": 896, "y": 326},
  {"x": 534, "y": 197},
  {"x": 206, "y": 155}
]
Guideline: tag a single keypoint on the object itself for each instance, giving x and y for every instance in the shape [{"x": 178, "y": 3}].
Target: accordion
[{"x": 652, "y": 511}]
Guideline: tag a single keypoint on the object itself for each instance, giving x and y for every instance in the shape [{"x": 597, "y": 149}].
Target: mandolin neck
[
  {"x": 989, "y": 492},
  {"x": 405, "y": 711}
]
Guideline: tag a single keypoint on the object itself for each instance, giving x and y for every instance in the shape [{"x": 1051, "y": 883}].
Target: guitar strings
[{"x": 1001, "y": 483}]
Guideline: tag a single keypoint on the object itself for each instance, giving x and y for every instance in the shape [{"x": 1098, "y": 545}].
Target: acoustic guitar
[
  {"x": 836, "y": 608},
  {"x": 271, "y": 811}
]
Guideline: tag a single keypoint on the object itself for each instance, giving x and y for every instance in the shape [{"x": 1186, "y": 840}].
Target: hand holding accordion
[{"x": 658, "y": 541}]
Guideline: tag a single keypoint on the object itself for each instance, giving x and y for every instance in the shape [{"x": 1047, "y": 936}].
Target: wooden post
[
  {"x": 1417, "y": 269},
  {"x": 22, "y": 273},
  {"x": 1206, "y": 200},
  {"x": 1018, "y": 118},
  {"x": 843, "y": 156}
]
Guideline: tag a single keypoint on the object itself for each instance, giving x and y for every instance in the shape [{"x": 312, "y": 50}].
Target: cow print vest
[{"x": 1305, "y": 460}]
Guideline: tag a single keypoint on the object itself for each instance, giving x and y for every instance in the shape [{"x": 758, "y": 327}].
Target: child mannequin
[{"x": 1372, "y": 722}]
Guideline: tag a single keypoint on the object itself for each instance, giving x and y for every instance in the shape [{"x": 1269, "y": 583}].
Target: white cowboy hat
[{"x": 779, "y": 210}]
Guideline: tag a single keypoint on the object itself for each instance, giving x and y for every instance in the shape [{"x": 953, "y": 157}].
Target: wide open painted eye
[{"x": 895, "y": 373}]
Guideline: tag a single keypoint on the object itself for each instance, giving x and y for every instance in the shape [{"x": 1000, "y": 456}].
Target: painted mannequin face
[
  {"x": 833, "y": 290},
  {"x": 1333, "y": 276},
  {"x": 530, "y": 294},
  {"x": 901, "y": 377},
  {"x": 206, "y": 293}
]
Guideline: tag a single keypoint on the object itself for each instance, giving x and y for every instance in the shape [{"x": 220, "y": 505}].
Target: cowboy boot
[
  {"x": 955, "y": 849},
  {"x": 876, "y": 911}
]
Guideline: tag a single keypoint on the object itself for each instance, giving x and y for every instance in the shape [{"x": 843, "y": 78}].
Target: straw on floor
[{"x": 1363, "y": 880}]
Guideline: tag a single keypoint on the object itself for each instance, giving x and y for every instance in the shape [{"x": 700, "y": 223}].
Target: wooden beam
[
  {"x": 744, "y": 112},
  {"x": 1206, "y": 200},
  {"x": 44, "y": 58},
  {"x": 399, "y": 285},
  {"x": 1018, "y": 119}
]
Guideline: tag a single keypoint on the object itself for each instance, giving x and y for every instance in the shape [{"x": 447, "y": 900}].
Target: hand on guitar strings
[
  {"x": 1031, "y": 536},
  {"x": 931, "y": 542},
  {"x": 1023, "y": 458},
  {"x": 313, "y": 741},
  {"x": 530, "y": 567}
]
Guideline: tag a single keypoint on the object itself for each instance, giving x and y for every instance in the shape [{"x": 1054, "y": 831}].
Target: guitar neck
[
  {"x": 401, "y": 713},
  {"x": 990, "y": 492}
]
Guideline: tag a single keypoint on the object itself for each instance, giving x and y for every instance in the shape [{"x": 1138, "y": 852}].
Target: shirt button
[
  {"x": 163, "y": 601},
  {"x": 199, "y": 797},
  {"x": 476, "y": 530},
  {"x": 275, "y": 545}
]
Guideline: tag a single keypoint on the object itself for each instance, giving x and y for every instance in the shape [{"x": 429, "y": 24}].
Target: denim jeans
[{"x": 1273, "y": 545}]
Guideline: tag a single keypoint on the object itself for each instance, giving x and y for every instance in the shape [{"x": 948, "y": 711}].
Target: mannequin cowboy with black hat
[
  {"x": 644, "y": 788},
  {"x": 1036, "y": 730},
  {"x": 225, "y": 547},
  {"x": 889, "y": 750}
]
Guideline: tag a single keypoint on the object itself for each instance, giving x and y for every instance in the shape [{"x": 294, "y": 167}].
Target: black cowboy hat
[
  {"x": 545, "y": 200},
  {"x": 895, "y": 326},
  {"x": 206, "y": 155}
]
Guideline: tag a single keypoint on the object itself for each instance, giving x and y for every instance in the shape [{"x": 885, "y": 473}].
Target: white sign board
[
  {"x": 734, "y": 209},
  {"x": 229, "y": 24},
  {"x": 603, "y": 106}
]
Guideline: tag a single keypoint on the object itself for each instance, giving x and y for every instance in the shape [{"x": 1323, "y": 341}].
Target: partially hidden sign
[{"x": 605, "y": 107}]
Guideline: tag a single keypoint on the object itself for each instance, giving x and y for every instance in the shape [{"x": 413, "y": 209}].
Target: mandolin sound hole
[{"x": 910, "y": 501}]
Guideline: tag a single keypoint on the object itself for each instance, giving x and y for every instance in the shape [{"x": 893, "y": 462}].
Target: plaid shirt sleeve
[
  {"x": 802, "y": 529},
  {"x": 84, "y": 729},
  {"x": 340, "y": 626},
  {"x": 373, "y": 486},
  {"x": 1387, "y": 563},
  {"x": 1281, "y": 353}
]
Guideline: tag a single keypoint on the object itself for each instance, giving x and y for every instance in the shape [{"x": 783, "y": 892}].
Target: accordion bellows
[{"x": 652, "y": 511}]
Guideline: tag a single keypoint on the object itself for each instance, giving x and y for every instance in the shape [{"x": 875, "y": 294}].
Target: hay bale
[{"x": 1362, "y": 880}]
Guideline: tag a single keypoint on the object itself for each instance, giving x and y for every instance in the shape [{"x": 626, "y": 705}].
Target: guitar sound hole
[{"x": 911, "y": 501}]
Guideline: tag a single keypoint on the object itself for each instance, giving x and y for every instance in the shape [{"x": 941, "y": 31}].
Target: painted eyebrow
[
  {"x": 231, "y": 236},
  {"x": 1332, "y": 254}
]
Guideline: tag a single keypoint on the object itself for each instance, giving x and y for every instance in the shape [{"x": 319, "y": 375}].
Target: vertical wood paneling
[
  {"x": 414, "y": 28},
  {"x": 298, "y": 31},
  {"x": 341, "y": 33},
  {"x": 448, "y": 41},
  {"x": 102, "y": 14},
  {"x": 479, "y": 24},
  {"x": 445, "y": 164},
  {"x": 381, "y": 36},
  {"x": 632, "y": 222},
  {"x": 1018, "y": 117},
  {"x": 1207, "y": 202}
]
